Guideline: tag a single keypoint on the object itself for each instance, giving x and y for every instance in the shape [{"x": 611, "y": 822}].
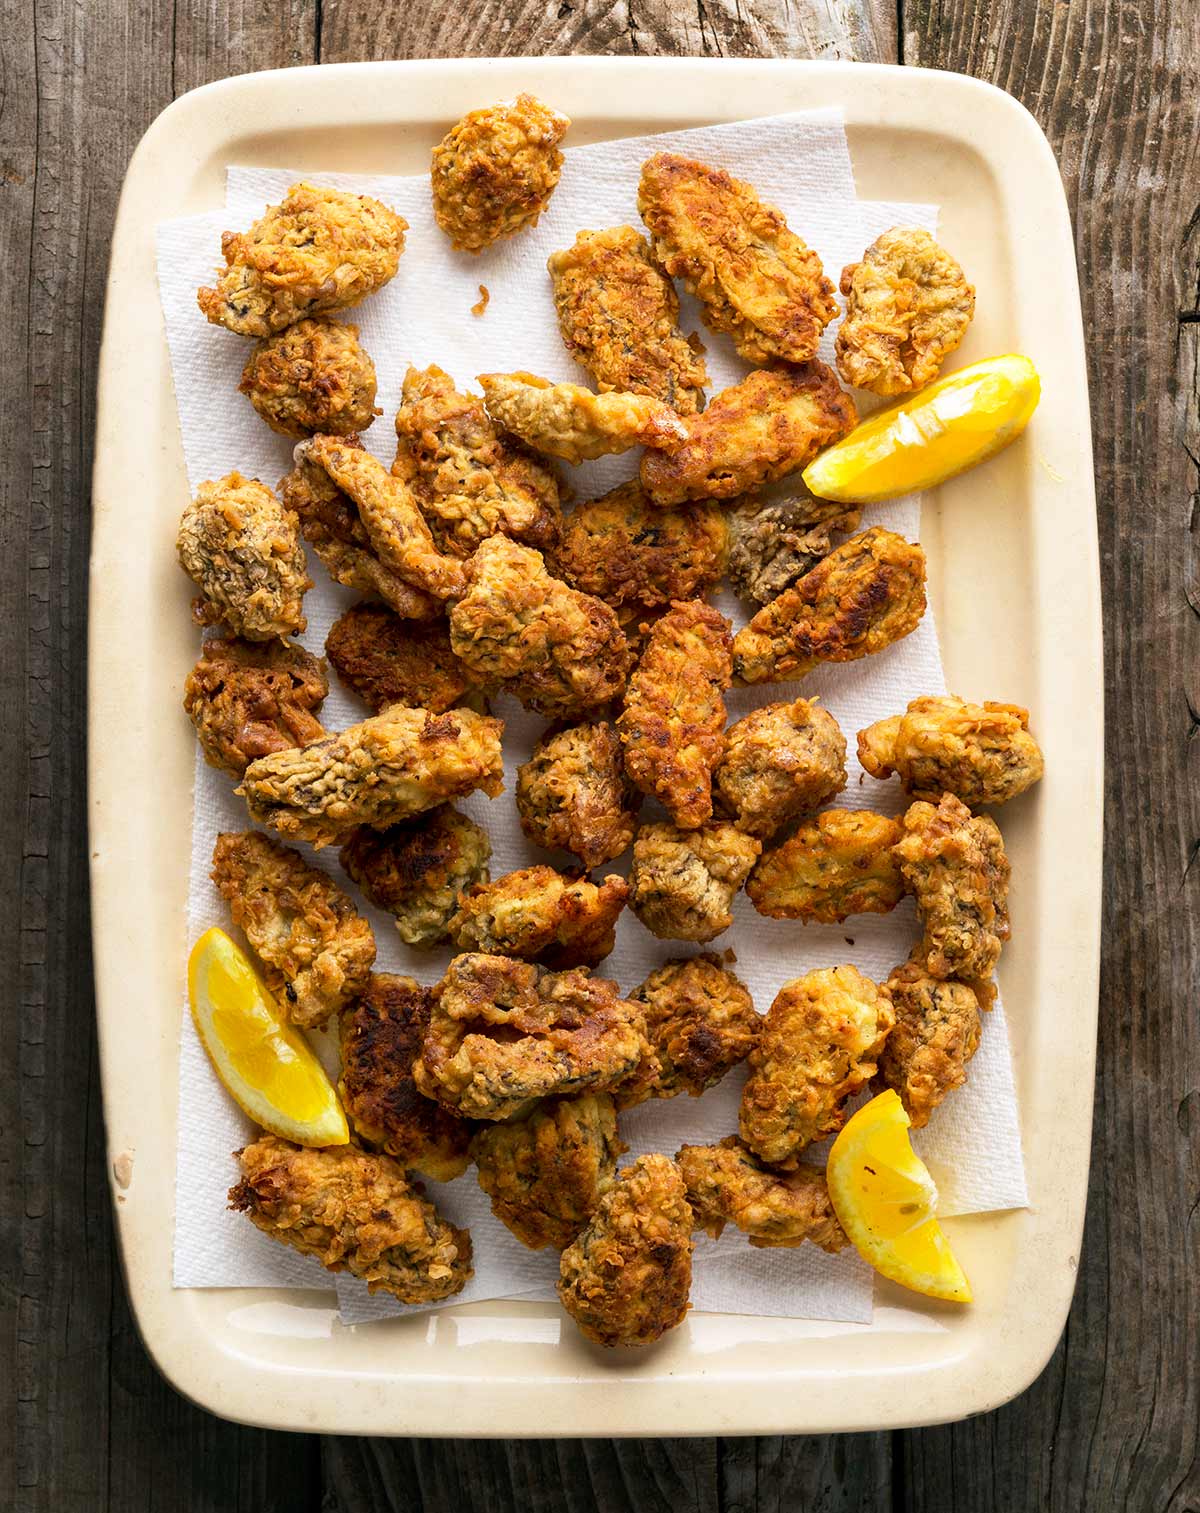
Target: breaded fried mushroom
[
  {"x": 387, "y": 660},
  {"x": 494, "y": 171},
  {"x": 573, "y": 795},
  {"x": 381, "y": 1036},
  {"x": 250, "y": 698},
  {"x": 546, "y": 1173},
  {"x": 416, "y": 870},
  {"x": 242, "y": 550},
  {"x": 774, "y": 542},
  {"x": 540, "y": 915},
  {"x": 981, "y": 753},
  {"x": 567, "y": 421},
  {"x": 838, "y": 864},
  {"x": 683, "y": 881},
  {"x": 864, "y": 596},
  {"x": 935, "y": 1035},
  {"x": 316, "y": 947},
  {"x": 383, "y": 770},
  {"x": 700, "y": 1022},
  {"x": 311, "y": 377},
  {"x": 354, "y": 1212},
  {"x": 781, "y": 761},
  {"x": 626, "y": 1279},
  {"x": 673, "y": 724},
  {"x": 777, "y": 1210},
  {"x": 819, "y": 1045},
  {"x": 320, "y": 250}
]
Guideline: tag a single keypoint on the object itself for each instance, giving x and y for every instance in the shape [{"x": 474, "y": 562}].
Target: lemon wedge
[
  {"x": 963, "y": 419},
  {"x": 885, "y": 1198},
  {"x": 266, "y": 1063}
]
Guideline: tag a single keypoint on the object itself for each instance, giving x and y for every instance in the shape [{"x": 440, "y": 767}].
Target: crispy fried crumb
[{"x": 482, "y": 302}]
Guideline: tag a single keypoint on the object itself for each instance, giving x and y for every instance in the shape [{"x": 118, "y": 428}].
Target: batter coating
[
  {"x": 250, "y": 698},
  {"x": 774, "y": 542},
  {"x": 838, "y": 864},
  {"x": 683, "y": 881},
  {"x": 778, "y": 1210},
  {"x": 935, "y": 1035},
  {"x": 700, "y": 1022},
  {"x": 572, "y": 794},
  {"x": 540, "y": 915},
  {"x": 313, "y": 376},
  {"x": 386, "y": 660},
  {"x": 780, "y": 762}
]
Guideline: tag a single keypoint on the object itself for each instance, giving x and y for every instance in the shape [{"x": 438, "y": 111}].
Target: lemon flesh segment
[
  {"x": 954, "y": 424},
  {"x": 886, "y": 1201},
  {"x": 265, "y": 1063}
]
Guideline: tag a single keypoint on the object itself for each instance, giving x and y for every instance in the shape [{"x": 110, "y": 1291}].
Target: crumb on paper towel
[
  {"x": 481, "y": 303},
  {"x": 122, "y": 1169}
]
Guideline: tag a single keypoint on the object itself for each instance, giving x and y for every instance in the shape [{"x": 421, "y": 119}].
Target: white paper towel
[{"x": 802, "y": 164}]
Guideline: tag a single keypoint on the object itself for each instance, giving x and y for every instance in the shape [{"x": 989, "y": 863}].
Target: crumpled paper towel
[{"x": 802, "y": 164}]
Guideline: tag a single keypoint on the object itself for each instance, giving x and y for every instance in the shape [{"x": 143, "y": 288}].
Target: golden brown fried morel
[
  {"x": 757, "y": 280},
  {"x": 494, "y": 171},
  {"x": 838, "y": 864},
  {"x": 683, "y": 881},
  {"x": 383, "y": 770},
  {"x": 504, "y": 1033},
  {"x": 316, "y": 947},
  {"x": 242, "y": 550},
  {"x": 545, "y": 1174},
  {"x": 908, "y": 306},
  {"x": 320, "y": 250},
  {"x": 774, "y": 542},
  {"x": 540, "y": 915},
  {"x": 311, "y": 377},
  {"x": 386, "y": 660},
  {"x": 673, "y": 724},
  {"x": 626, "y": 1279},
  {"x": 956, "y": 869},
  {"x": 416, "y": 870},
  {"x": 781, "y": 761},
  {"x": 700, "y": 1023},
  {"x": 819, "y": 1044},
  {"x": 777, "y": 1210},
  {"x": 855, "y": 602},
  {"x": 354, "y": 1212},
  {"x": 565, "y": 420},
  {"x": 619, "y": 318},
  {"x": 525, "y": 633},
  {"x": 249, "y": 698},
  {"x": 471, "y": 480},
  {"x": 573, "y": 795},
  {"x": 381, "y": 1036},
  {"x": 981, "y": 753},
  {"x": 771, "y": 424},
  {"x": 935, "y": 1035}
]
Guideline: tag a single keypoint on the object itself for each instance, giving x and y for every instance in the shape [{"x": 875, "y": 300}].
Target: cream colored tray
[{"x": 1014, "y": 570}]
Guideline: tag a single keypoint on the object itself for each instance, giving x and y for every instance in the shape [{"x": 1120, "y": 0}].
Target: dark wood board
[{"x": 1113, "y": 1423}]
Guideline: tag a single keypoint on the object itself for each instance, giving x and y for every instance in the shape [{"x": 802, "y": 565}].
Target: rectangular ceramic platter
[{"x": 1014, "y": 574}]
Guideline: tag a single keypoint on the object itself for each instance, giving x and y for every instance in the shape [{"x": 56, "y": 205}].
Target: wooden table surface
[{"x": 85, "y": 1422}]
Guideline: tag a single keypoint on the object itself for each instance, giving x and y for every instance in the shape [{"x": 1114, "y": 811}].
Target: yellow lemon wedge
[
  {"x": 266, "y": 1063},
  {"x": 957, "y": 422},
  {"x": 885, "y": 1198}
]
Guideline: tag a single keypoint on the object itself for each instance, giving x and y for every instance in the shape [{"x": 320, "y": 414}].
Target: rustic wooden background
[{"x": 85, "y": 1422}]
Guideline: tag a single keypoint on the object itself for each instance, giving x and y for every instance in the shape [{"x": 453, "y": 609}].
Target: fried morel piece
[
  {"x": 781, "y": 761},
  {"x": 381, "y": 1035},
  {"x": 865, "y": 595},
  {"x": 700, "y": 1023},
  {"x": 471, "y": 480},
  {"x": 626, "y": 550},
  {"x": 250, "y": 698},
  {"x": 504, "y": 1033},
  {"x": 494, "y": 171},
  {"x": 777, "y": 1210},
  {"x": 546, "y": 1173},
  {"x": 320, "y": 250},
  {"x": 386, "y": 660},
  {"x": 354, "y": 1212},
  {"x": 819, "y": 1045},
  {"x": 316, "y": 948},
  {"x": 935, "y": 1035},
  {"x": 416, "y": 870},
  {"x": 330, "y": 523},
  {"x": 683, "y": 882},
  {"x": 540, "y": 915},
  {"x": 568, "y": 421},
  {"x": 311, "y": 377},
  {"x": 757, "y": 280},
  {"x": 521, "y": 631},
  {"x": 956, "y": 868},
  {"x": 383, "y": 770},
  {"x": 981, "y": 753},
  {"x": 908, "y": 306},
  {"x": 837, "y": 864},
  {"x": 242, "y": 550},
  {"x": 774, "y": 542},
  {"x": 771, "y": 424},
  {"x": 619, "y": 317},
  {"x": 673, "y": 724},
  {"x": 626, "y": 1279},
  {"x": 573, "y": 795}
]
